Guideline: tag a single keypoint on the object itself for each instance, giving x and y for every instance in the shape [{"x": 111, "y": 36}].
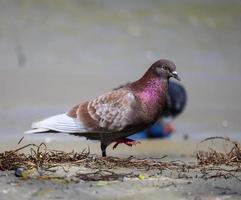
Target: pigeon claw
[{"x": 126, "y": 141}]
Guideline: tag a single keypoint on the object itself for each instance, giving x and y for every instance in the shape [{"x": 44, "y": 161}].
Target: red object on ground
[{"x": 169, "y": 128}]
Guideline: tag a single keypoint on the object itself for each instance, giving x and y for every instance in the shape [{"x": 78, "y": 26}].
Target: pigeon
[
  {"x": 177, "y": 99},
  {"x": 117, "y": 114}
]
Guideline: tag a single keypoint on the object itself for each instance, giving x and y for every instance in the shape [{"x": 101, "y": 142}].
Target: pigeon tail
[{"x": 58, "y": 123}]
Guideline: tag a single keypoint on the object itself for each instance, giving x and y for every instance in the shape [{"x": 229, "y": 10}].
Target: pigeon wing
[{"x": 110, "y": 112}]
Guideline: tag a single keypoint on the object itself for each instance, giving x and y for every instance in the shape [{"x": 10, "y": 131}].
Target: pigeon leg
[
  {"x": 103, "y": 149},
  {"x": 127, "y": 141}
]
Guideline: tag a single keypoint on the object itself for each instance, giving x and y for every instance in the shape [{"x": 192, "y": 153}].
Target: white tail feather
[
  {"x": 59, "y": 123},
  {"x": 36, "y": 130}
]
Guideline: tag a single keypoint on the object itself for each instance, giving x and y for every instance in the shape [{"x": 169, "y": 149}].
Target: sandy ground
[
  {"x": 155, "y": 184},
  {"x": 159, "y": 187}
]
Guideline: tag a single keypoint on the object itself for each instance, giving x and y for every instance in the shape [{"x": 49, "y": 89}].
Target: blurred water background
[{"x": 56, "y": 53}]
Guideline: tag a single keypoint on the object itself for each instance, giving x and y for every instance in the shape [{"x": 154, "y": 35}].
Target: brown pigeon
[{"x": 115, "y": 115}]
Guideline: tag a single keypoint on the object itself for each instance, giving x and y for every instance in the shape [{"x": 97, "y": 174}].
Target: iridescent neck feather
[{"x": 152, "y": 91}]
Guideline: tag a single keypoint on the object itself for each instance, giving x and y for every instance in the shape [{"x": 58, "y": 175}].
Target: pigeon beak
[{"x": 175, "y": 75}]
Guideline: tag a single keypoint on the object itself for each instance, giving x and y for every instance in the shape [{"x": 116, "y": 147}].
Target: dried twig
[{"x": 213, "y": 157}]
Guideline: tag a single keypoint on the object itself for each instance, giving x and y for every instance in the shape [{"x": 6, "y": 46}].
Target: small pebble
[
  {"x": 19, "y": 172},
  {"x": 141, "y": 176},
  {"x": 185, "y": 136}
]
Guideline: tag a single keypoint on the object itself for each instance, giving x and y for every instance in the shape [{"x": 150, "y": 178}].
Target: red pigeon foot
[{"x": 127, "y": 141}]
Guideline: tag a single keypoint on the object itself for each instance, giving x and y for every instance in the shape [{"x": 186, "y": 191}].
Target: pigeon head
[{"x": 164, "y": 69}]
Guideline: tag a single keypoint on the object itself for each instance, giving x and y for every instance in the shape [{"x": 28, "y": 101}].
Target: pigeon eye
[{"x": 165, "y": 68}]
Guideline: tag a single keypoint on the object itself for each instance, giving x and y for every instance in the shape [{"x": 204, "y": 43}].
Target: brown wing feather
[{"x": 110, "y": 112}]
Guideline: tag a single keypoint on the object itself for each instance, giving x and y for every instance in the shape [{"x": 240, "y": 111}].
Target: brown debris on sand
[
  {"x": 40, "y": 158},
  {"x": 213, "y": 157}
]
